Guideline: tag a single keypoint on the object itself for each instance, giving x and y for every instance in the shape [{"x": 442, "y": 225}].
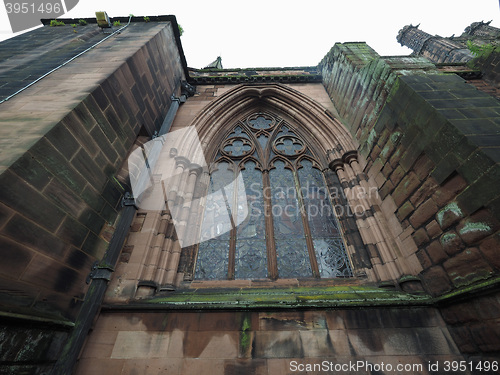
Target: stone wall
[
  {"x": 68, "y": 136},
  {"x": 267, "y": 342},
  {"x": 430, "y": 142}
]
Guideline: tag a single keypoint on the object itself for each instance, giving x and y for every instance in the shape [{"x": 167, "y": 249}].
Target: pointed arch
[{"x": 332, "y": 138}]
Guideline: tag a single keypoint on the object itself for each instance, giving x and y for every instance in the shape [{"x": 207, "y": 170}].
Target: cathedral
[{"x": 161, "y": 219}]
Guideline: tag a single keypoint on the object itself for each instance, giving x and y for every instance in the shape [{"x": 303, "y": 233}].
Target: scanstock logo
[
  {"x": 25, "y": 14},
  {"x": 165, "y": 174}
]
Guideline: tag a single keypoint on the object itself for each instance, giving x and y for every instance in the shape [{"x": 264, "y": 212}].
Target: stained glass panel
[
  {"x": 291, "y": 247},
  {"x": 328, "y": 244},
  {"x": 213, "y": 251},
  {"x": 251, "y": 250},
  {"x": 260, "y": 122},
  {"x": 263, "y": 141},
  {"x": 239, "y": 195}
]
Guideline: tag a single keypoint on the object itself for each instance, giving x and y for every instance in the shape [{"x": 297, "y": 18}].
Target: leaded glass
[
  {"x": 260, "y": 122},
  {"x": 291, "y": 247},
  {"x": 328, "y": 244},
  {"x": 237, "y": 146},
  {"x": 263, "y": 141},
  {"x": 251, "y": 250},
  {"x": 305, "y": 241},
  {"x": 213, "y": 253},
  {"x": 213, "y": 258},
  {"x": 289, "y": 146}
]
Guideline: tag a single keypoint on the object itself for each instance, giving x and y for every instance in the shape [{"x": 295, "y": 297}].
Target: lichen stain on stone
[
  {"x": 474, "y": 227},
  {"x": 448, "y": 237},
  {"x": 451, "y": 208},
  {"x": 245, "y": 335}
]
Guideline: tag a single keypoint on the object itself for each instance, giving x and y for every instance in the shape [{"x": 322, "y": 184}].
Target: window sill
[{"x": 296, "y": 294}]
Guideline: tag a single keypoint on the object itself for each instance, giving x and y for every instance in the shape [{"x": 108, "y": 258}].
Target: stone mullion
[
  {"x": 307, "y": 230},
  {"x": 272, "y": 260}
]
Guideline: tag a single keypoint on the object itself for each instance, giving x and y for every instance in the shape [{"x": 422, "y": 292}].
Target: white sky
[{"x": 280, "y": 33}]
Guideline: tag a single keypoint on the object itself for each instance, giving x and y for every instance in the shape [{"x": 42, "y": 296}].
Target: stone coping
[
  {"x": 282, "y": 298},
  {"x": 338, "y": 296}
]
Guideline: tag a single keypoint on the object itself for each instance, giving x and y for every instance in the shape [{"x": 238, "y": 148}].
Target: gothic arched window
[{"x": 282, "y": 220}]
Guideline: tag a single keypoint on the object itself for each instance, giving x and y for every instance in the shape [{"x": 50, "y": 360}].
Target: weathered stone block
[
  {"x": 405, "y": 210},
  {"x": 405, "y": 188},
  {"x": 423, "y": 166},
  {"x": 433, "y": 229},
  {"x": 63, "y": 140},
  {"x": 486, "y": 337},
  {"x": 32, "y": 171},
  {"x": 451, "y": 242},
  {"x": 58, "y": 165},
  {"x": 436, "y": 252},
  {"x": 420, "y": 237},
  {"x": 475, "y": 166},
  {"x": 423, "y": 213},
  {"x": 445, "y": 167},
  {"x": 32, "y": 235},
  {"x": 467, "y": 267},
  {"x": 477, "y": 227},
  {"x": 423, "y": 192},
  {"x": 490, "y": 248},
  {"x": 18, "y": 255},
  {"x": 424, "y": 259},
  {"x": 449, "y": 215},
  {"x": 463, "y": 339},
  {"x": 436, "y": 281},
  {"x": 449, "y": 189},
  {"x": 278, "y": 344}
]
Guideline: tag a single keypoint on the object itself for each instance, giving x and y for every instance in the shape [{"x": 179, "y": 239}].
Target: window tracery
[{"x": 287, "y": 225}]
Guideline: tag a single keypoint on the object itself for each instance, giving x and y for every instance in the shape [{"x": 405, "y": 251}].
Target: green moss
[
  {"x": 448, "y": 237},
  {"x": 451, "y": 207},
  {"x": 471, "y": 278},
  {"x": 286, "y": 297},
  {"x": 471, "y": 288},
  {"x": 371, "y": 138},
  {"x": 56, "y": 23},
  {"x": 474, "y": 227},
  {"x": 395, "y": 137},
  {"x": 245, "y": 335}
]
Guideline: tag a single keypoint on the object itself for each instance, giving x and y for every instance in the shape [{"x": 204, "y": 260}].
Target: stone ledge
[{"x": 280, "y": 298}]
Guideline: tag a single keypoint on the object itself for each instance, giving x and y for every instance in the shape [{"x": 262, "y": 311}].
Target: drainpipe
[{"x": 101, "y": 271}]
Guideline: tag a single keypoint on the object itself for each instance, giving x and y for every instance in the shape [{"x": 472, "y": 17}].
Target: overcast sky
[{"x": 275, "y": 33}]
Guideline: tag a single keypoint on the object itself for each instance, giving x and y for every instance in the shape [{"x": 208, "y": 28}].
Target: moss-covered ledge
[
  {"x": 300, "y": 297},
  {"x": 286, "y": 298}
]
